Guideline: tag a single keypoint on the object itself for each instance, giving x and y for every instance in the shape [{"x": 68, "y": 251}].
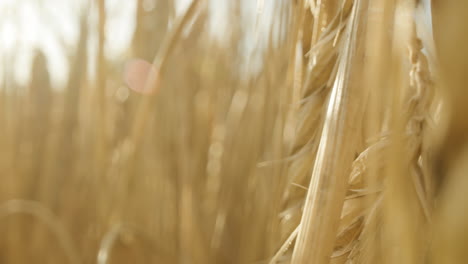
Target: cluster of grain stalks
[{"x": 325, "y": 131}]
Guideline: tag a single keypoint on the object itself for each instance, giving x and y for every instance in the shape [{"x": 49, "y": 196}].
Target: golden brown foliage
[{"x": 340, "y": 138}]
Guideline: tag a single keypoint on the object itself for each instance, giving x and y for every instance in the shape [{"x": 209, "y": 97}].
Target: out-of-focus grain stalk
[
  {"x": 450, "y": 35},
  {"x": 13, "y": 141},
  {"x": 294, "y": 73},
  {"x": 377, "y": 42},
  {"x": 451, "y": 38},
  {"x": 148, "y": 36},
  {"x": 66, "y": 143},
  {"x": 401, "y": 214},
  {"x": 101, "y": 86},
  {"x": 132, "y": 143},
  {"x": 159, "y": 64},
  {"x": 332, "y": 166},
  {"x": 418, "y": 103}
]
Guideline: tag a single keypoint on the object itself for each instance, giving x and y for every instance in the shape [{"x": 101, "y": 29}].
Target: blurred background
[
  {"x": 86, "y": 162},
  {"x": 305, "y": 131}
]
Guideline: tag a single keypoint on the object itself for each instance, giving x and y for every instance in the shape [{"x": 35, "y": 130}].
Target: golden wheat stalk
[{"x": 331, "y": 168}]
